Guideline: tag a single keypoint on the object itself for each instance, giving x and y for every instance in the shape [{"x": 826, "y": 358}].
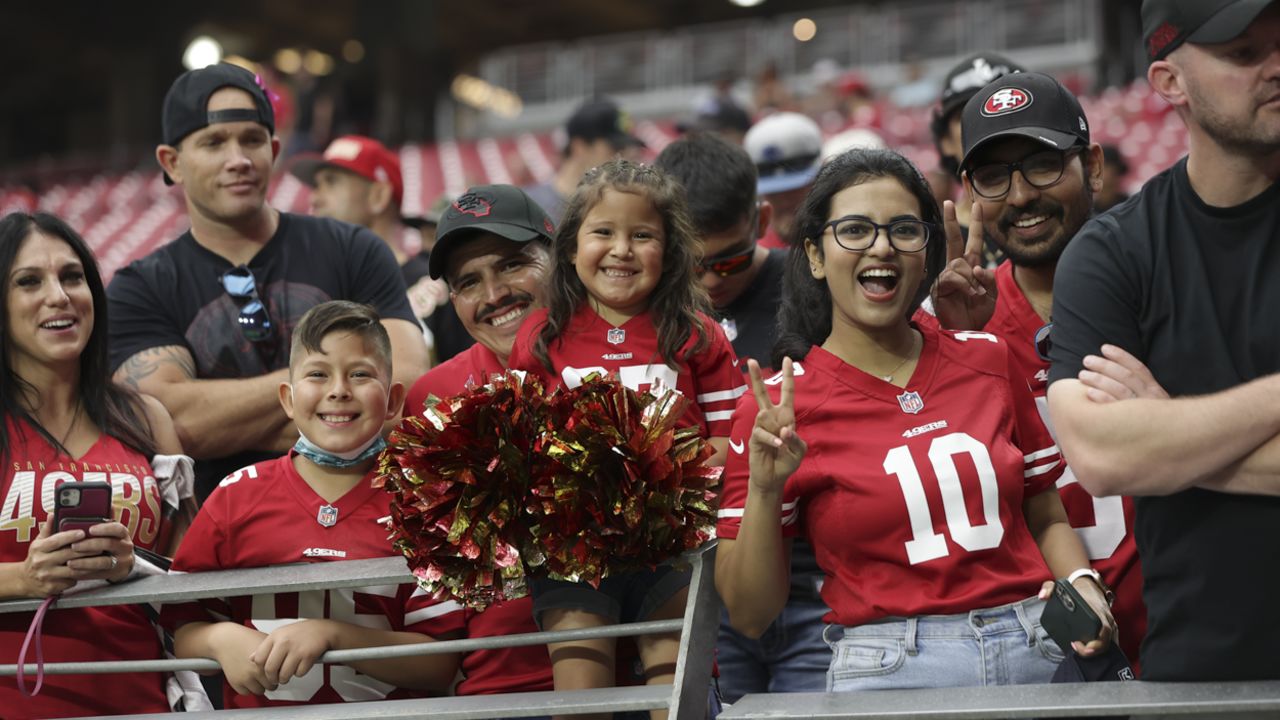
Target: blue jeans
[
  {"x": 998, "y": 646},
  {"x": 791, "y": 656}
]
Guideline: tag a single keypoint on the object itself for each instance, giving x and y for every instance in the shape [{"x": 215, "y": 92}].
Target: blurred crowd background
[{"x": 480, "y": 91}]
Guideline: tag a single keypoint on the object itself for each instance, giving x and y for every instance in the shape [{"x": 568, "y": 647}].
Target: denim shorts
[
  {"x": 629, "y": 597},
  {"x": 997, "y": 646}
]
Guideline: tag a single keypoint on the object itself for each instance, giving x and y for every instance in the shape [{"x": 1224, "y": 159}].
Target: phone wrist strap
[
  {"x": 1097, "y": 578},
  {"x": 36, "y": 630}
]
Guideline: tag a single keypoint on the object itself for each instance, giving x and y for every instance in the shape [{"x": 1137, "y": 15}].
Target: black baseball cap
[
  {"x": 1031, "y": 105},
  {"x": 602, "y": 119},
  {"x": 971, "y": 75},
  {"x": 187, "y": 102},
  {"x": 1166, "y": 24},
  {"x": 504, "y": 210}
]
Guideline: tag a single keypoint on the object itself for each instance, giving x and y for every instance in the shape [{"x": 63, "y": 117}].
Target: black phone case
[{"x": 1067, "y": 617}]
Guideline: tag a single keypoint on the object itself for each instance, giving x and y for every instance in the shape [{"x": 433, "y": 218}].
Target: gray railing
[{"x": 686, "y": 697}]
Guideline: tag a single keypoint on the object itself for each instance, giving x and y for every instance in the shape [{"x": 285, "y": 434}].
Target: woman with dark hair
[
  {"x": 925, "y": 477},
  {"x": 64, "y": 421}
]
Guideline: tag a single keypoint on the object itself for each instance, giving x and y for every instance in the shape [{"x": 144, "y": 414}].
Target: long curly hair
[
  {"x": 804, "y": 315},
  {"x": 117, "y": 410},
  {"x": 678, "y": 297}
]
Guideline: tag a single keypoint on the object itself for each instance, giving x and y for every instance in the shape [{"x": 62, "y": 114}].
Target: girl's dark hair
[
  {"x": 804, "y": 315},
  {"x": 678, "y": 297},
  {"x": 117, "y": 411}
]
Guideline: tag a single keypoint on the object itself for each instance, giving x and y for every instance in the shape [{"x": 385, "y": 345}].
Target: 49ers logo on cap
[
  {"x": 1005, "y": 101},
  {"x": 473, "y": 204}
]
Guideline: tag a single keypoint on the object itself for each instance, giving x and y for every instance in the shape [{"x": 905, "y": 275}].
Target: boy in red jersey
[{"x": 340, "y": 393}]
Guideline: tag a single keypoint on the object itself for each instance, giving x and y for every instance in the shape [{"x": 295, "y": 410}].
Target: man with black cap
[
  {"x": 962, "y": 82},
  {"x": 204, "y": 322},
  {"x": 1031, "y": 170},
  {"x": 1166, "y": 353},
  {"x": 598, "y": 131},
  {"x": 492, "y": 249}
]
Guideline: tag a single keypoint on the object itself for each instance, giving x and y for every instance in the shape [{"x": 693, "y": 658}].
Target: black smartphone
[
  {"x": 81, "y": 505},
  {"x": 1068, "y": 618}
]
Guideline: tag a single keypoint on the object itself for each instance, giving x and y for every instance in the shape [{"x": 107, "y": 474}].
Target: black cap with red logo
[
  {"x": 1031, "y": 105},
  {"x": 1166, "y": 24},
  {"x": 503, "y": 210}
]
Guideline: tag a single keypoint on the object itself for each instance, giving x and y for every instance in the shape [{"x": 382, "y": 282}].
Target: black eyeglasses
[
  {"x": 858, "y": 233},
  {"x": 255, "y": 323},
  {"x": 1040, "y": 170},
  {"x": 1042, "y": 341}
]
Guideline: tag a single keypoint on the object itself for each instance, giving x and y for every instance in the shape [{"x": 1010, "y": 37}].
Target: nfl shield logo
[
  {"x": 910, "y": 402},
  {"x": 730, "y": 328},
  {"x": 616, "y": 336},
  {"x": 328, "y": 515}
]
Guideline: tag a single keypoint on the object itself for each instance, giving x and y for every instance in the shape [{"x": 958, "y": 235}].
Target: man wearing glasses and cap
[
  {"x": 1166, "y": 351},
  {"x": 203, "y": 323},
  {"x": 1031, "y": 170}
]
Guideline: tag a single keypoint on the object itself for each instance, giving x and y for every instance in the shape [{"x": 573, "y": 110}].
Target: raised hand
[
  {"x": 964, "y": 297},
  {"x": 1118, "y": 375},
  {"x": 776, "y": 449}
]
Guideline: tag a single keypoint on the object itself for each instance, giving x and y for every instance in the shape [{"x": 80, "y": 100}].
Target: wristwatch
[{"x": 1097, "y": 578}]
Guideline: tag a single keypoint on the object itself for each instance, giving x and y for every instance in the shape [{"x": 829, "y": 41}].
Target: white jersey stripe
[
  {"x": 719, "y": 415},
  {"x": 733, "y": 394},
  {"x": 435, "y": 611},
  {"x": 1051, "y": 450},
  {"x": 1041, "y": 469}
]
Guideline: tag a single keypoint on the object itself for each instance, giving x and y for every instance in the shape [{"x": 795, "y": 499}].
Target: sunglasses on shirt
[
  {"x": 255, "y": 323},
  {"x": 1042, "y": 342}
]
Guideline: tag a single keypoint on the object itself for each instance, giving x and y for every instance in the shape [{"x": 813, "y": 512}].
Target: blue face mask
[{"x": 324, "y": 458}]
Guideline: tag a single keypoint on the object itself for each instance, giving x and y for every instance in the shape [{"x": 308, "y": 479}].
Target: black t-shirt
[
  {"x": 751, "y": 321},
  {"x": 1192, "y": 291},
  {"x": 174, "y": 296}
]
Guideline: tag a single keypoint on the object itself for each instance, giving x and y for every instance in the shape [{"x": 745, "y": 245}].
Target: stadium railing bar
[{"x": 685, "y": 698}]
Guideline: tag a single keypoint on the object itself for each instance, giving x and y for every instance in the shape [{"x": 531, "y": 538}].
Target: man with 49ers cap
[{"x": 1031, "y": 170}]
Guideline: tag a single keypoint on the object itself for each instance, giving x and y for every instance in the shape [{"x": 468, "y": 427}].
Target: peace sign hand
[
  {"x": 964, "y": 298},
  {"x": 776, "y": 449}
]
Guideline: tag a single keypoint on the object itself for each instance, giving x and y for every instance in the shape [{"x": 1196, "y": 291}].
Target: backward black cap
[{"x": 186, "y": 105}]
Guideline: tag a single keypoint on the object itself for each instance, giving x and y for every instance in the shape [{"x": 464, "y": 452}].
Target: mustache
[
  {"x": 1040, "y": 207},
  {"x": 514, "y": 298}
]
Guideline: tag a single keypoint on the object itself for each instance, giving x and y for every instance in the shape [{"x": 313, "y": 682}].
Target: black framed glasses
[
  {"x": 255, "y": 323},
  {"x": 1041, "y": 170},
  {"x": 858, "y": 233},
  {"x": 1042, "y": 341}
]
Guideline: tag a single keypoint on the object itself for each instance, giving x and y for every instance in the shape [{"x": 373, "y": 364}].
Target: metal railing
[
  {"x": 686, "y": 697},
  {"x": 1065, "y": 700}
]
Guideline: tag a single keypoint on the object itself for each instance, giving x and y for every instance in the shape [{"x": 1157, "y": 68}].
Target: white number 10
[{"x": 925, "y": 543}]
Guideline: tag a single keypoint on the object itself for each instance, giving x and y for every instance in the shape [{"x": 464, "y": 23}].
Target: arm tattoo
[{"x": 144, "y": 364}]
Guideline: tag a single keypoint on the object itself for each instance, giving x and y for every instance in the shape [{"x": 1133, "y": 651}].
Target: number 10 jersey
[{"x": 911, "y": 497}]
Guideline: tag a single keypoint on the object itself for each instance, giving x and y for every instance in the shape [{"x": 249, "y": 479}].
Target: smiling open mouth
[
  {"x": 879, "y": 281},
  {"x": 337, "y": 419},
  {"x": 57, "y": 324}
]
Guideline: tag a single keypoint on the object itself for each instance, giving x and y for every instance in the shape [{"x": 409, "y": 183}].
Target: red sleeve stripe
[
  {"x": 438, "y": 610},
  {"x": 722, "y": 395}
]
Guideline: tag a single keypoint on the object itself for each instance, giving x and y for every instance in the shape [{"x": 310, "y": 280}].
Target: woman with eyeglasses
[
  {"x": 913, "y": 459},
  {"x": 64, "y": 422}
]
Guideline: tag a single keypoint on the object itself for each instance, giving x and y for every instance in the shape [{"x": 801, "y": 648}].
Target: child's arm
[
  {"x": 721, "y": 446},
  {"x": 292, "y": 650},
  {"x": 232, "y": 645}
]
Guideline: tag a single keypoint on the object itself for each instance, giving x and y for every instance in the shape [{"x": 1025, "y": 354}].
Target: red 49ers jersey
[
  {"x": 1105, "y": 525},
  {"x": 911, "y": 497},
  {"x": 475, "y": 364},
  {"x": 32, "y": 472},
  {"x": 266, "y": 514},
  {"x": 710, "y": 379}
]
